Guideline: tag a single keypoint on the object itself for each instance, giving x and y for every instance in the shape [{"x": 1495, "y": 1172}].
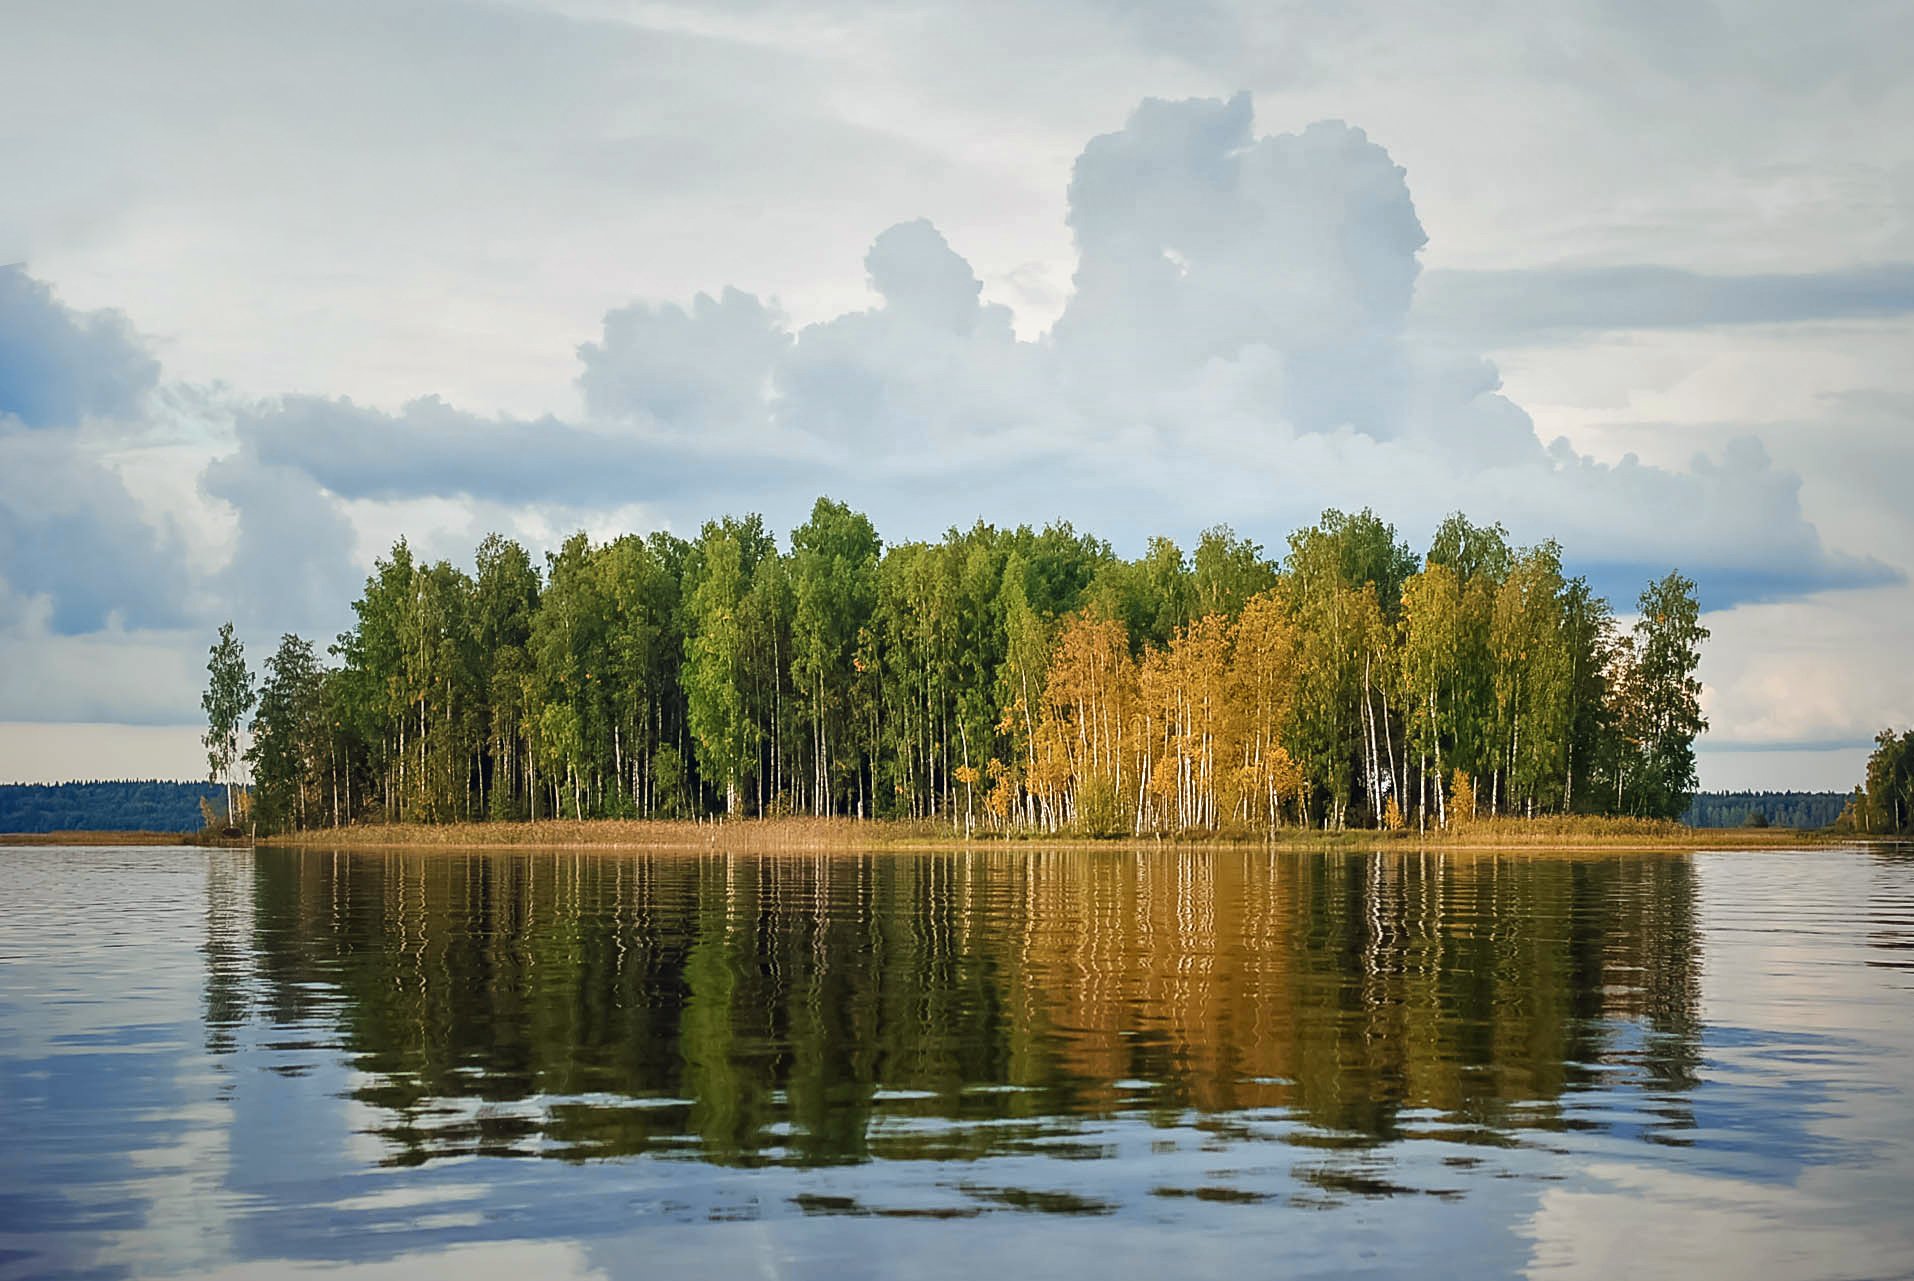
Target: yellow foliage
[
  {"x": 1391, "y": 816},
  {"x": 1191, "y": 735},
  {"x": 1461, "y": 800}
]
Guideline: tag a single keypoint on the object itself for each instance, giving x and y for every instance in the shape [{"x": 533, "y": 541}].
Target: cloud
[
  {"x": 1545, "y": 304},
  {"x": 706, "y": 364},
  {"x": 71, "y": 535},
  {"x": 293, "y": 567},
  {"x": 142, "y": 677},
  {"x": 1238, "y": 346},
  {"x": 1196, "y": 239},
  {"x": 430, "y": 448},
  {"x": 58, "y": 366}
]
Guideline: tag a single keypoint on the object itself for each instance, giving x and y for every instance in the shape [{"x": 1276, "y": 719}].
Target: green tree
[
  {"x": 1885, "y": 806},
  {"x": 228, "y": 697},
  {"x": 1532, "y": 679},
  {"x": 504, "y": 601},
  {"x": 720, "y": 570},
  {"x": 1344, "y": 578},
  {"x": 1228, "y": 571},
  {"x": 1427, "y": 650},
  {"x": 373, "y": 695},
  {"x": 834, "y": 580},
  {"x": 290, "y": 737},
  {"x": 1662, "y": 699}
]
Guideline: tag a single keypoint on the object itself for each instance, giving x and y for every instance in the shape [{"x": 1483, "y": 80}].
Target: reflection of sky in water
[{"x": 168, "y": 1107}]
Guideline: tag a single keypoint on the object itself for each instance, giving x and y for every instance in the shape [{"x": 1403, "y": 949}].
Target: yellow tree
[
  {"x": 1426, "y": 653},
  {"x": 1087, "y": 701},
  {"x": 1186, "y": 716},
  {"x": 1262, "y": 689}
]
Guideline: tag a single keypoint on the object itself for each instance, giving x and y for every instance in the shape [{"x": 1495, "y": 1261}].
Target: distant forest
[
  {"x": 1003, "y": 678},
  {"x": 143, "y": 805},
  {"x": 1775, "y": 809}
]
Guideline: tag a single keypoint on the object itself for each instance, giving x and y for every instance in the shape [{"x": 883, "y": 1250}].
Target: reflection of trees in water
[
  {"x": 838, "y": 1007},
  {"x": 228, "y": 947},
  {"x": 1890, "y": 904}
]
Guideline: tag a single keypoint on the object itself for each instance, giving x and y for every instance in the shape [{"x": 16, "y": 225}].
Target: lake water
[{"x": 1018, "y": 1064}]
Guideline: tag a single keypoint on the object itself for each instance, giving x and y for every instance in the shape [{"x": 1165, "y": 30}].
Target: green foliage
[
  {"x": 291, "y": 738},
  {"x": 1661, "y": 704},
  {"x": 228, "y": 697}
]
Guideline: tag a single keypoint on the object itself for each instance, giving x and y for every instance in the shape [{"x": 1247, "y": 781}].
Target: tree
[
  {"x": 290, "y": 736},
  {"x": 1884, "y": 806},
  {"x": 1262, "y": 682},
  {"x": 1662, "y": 707},
  {"x": 228, "y": 697},
  {"x": 504, "y": 601},
  {"x": 834, "y": 573},
  {"x": 1429, "y": 645},
  {"x": 1228, "y": 572},
  {"x": 373, "y": 696},
  {"x": 720, "y": 571},
  {"x": 1532, "y": 683}
]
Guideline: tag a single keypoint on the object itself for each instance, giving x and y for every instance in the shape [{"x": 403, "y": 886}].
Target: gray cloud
[
  {"x": 431, "y": 449},
  {"x": 70, "y": 533},
  {"x": 292, "y": 567},
  {"x": 706, "y": 364},
  {"x": 58, "y": 366},
  {"x": 1544, "y": 304}
]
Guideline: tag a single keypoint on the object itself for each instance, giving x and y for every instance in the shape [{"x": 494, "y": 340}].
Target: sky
[{"x": 281, "y": 282}]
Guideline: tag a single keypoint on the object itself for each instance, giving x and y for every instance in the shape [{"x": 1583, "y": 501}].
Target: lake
[{"x": 1018, "y": 1063}]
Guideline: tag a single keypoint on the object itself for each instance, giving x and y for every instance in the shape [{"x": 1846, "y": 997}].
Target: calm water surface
[{"x": 1001, "y": 1065}]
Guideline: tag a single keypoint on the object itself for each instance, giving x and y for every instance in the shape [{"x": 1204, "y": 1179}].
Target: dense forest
[
  {"x": 126, "y": 806},
  {"x": 1884, "y": 804},
  {"x": 1806, "y": 810},
  {"x": 994, "y": 679}
]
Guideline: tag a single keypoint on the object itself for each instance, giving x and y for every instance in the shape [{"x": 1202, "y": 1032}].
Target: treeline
[
  {"x": 1884, "y": 804},
  {"x": 1806, "y": 810},
  {"x": 995, "y": 679},
  {"x": 141, "y": 805}
]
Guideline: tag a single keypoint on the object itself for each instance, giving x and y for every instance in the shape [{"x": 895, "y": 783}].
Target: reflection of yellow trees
[{"x": 751, "y": 1008}]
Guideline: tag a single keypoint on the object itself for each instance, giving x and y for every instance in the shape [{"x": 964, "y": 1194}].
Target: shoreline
[
  {"x": 866, "y": 836},
  {"x": 846, "y": 835}
]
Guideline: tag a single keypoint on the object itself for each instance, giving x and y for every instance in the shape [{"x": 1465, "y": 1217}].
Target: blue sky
[{"x": 293, "y": 279}]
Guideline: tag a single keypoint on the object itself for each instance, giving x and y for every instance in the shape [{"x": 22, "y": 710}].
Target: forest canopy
[{"x": 993, "y": 679}]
